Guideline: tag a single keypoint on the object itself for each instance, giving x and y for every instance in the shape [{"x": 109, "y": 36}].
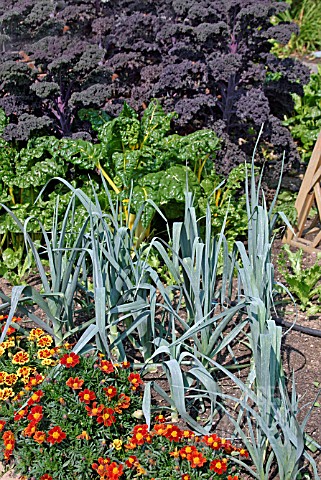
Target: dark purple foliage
[{"x": 207, "y": 59}]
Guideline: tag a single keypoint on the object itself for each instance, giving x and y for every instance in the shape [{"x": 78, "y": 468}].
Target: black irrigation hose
[{"x": 298, "y": 328}]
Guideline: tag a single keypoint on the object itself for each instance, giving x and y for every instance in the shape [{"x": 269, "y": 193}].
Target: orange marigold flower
[
  {"x": 188, "y": 434},
  {"x": 110, "y": 392},
  {"x": 86, "y": 396},
  {"x": 35, "y": 397},
  {"x": 106, "y": 366},
  {"x": 56, "y": 435},
  {"x": 106, "y": 417},
  {"x": 75, "y": 383},
  {"x": 212, "y": 441},
  {"x": 70, "y": 360},
  {"x": 44, "y": 353},
  {"x": 196, "y": 459},
  {"x": 11, "y": 379},
  {"x": 160, "y": 429},
  {"x": 21, "y": 358},
  {"x": 135, "y": 380},
  {"x": 173, "y": 433},
  {"x": 35, "y": 414},
  {"x": 123, "y": 403},
  {"x": 46, "y": 476},
  {"x": 186, "y": 476},
  {"x": 132, "y": 461},
  {"x": 2, "y": 424},
  {"x": 39, "y": 437},
  {"x": 44, "y": 341},
  {"x": 83, "y": 436},
  {"x": 20, "y": 414},
  {"x": 175, "y": 453},
  {"x": 94, "y": 410},
  {"x": 30, "y": 429},
  {"x": 8, "y": 436},
  {"x": 126, "y": 364},
  {"x": 234, "y": 477},
  {"x": 218, "y": 466},
  {"x": 10, "y": 330},
  {"x": 131, "y": 445}
]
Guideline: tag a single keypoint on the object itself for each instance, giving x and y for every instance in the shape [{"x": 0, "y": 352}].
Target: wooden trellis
[{"x": 308, "y": 237}]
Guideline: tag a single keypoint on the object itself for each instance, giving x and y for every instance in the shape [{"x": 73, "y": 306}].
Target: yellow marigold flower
[
  {"x": 24, "y": 371},
  {"x": 44, "y": 341},
  {"x": 6, "y": 393},
  {"x": 7, "y": 344},
  {"x": 141, "y": 471},
  {"x": 117, "y": 444},
  {"x": 2, "y": 377},
  {"x": 35, "y": 333},
  {"x": 21, "y": 357},
  {"x": 2, "y": 350},
  {"x": 44, "y": 353},
  {"x": 11, "y": 379},
  {"x": 49, "y": 362}
]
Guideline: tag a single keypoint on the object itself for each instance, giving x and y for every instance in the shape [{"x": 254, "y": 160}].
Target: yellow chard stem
[{"x": 107, "y": 177}]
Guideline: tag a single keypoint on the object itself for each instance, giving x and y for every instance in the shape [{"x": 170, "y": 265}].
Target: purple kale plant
[{"x": 208, "y": 60}]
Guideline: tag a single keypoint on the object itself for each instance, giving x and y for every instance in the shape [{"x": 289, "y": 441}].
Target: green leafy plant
[
  {"x": 305, "y": 122},
  {"x": 303, "y": 283}
]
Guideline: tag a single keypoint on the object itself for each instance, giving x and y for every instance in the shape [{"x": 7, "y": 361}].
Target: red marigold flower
[
  {"x": 110, "y": 392},
  {"x": 44, "y": 341},
  {"x": 33, "y": 381},
  {"x": 39, "y": 436},
  {"x": 35, "y": 397},
  {"x": 94, "y": 411},
  {"x": 243, "y": 452},
  {"x": 135, "y": 380},
  {"x": 35, "y": 414},
  {"x": 10, "y": 330},
  {"x": 218, "y": 466},
  {"x": 131, "y": 461},
  {"x": 75, "y": 383},
  {"x": 123, "y": 403},
  {"x": 196, "y": 459},
  {"x": 70, "y": 360},
  {"x": 186, "y": 476},
  {"x": 160, "y": 418},
  {"x": 2, "y": 424},
  {"x": 143, "y": 428},
  {"x": 30, "y": 429},
  {"x": 46, "y": 476},
  {"x": 188, "y": 434},
  {"x": 106, "y": 366},
  {"x": 212, "y": 441},
  {"x": 106, "y": 417},
  {"x": 173, "y": 433},
  {"x": 235, "y": 477},
  {"x": 86, "y": 396},
  {"x": 56, "y": 435},
  {"x": 188, "y": 450},
  {"x": 114, "y": 471},
  {"x": 126, "y": 364},
  {"x": 20, "y": 414},
  {"x": 20, "y": 358}
]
